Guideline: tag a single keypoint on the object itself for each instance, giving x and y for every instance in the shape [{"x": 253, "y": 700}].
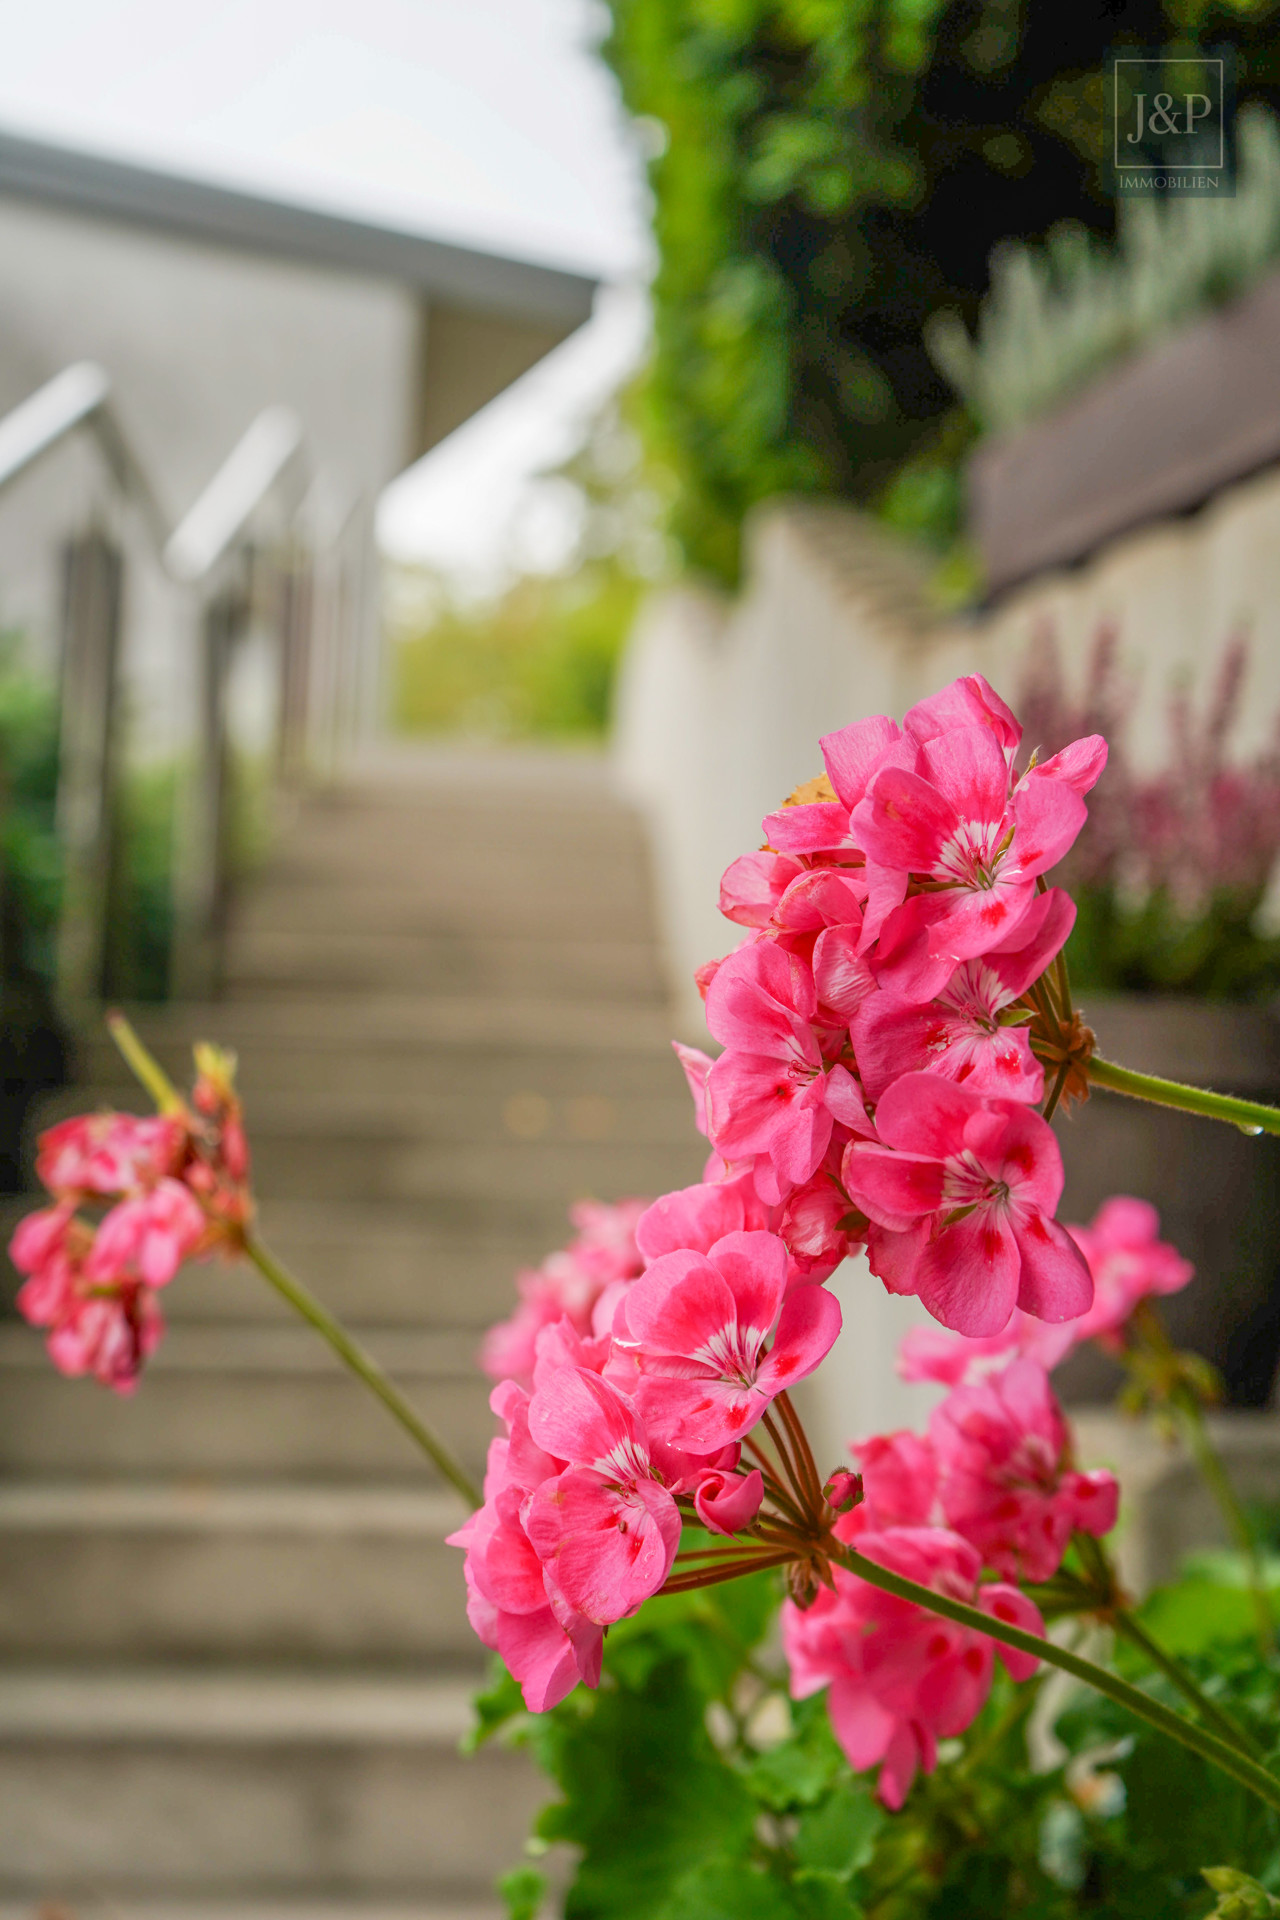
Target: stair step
[
  {"x": 295, "y": 904},
  {"x": 336, "y": 1024},
  {"x": 385, "y": 1074},
  {"x": 428, "y": 1117},
  {"x": 245, "y": 1401},
  {"x": 131, "y": 1781},
  {"x": 376, "y": 1265},
  {"x": 470, "y": 1160},
  {"x": 364, "y": 960},
  {"x": 192, "y": 1569}
]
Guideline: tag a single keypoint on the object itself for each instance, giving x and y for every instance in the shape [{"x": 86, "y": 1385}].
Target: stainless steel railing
[{"x": 228, "y": 573}]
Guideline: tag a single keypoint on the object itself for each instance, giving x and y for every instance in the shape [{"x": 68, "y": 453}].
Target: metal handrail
[
  {"x": 258, "y": 462},
  {"x": 269, "y": 457},
  {"x": 79, "y": 396}
]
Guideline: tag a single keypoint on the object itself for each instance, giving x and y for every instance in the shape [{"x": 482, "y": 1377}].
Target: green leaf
[
  {"x": 840, "y": 1835},
  {"x": 495, "y": 1707},
  {"x": 819, "y": 1895},
  {"x": 800, "y": 1771},
  {"x": 646, "y": 1796},
  {"x": 1199, "y": 1613},
  {"x": 524, "y": 1889},
  {"x": 1239, "y": 1896},
  {"x": 729, "y": 1890}
]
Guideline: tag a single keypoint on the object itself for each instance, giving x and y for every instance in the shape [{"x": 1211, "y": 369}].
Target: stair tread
[
  {"x": 267, "y": 1348},
  {"x": 187, "y": 1504},
  {"x": 194, "y": 1705}
]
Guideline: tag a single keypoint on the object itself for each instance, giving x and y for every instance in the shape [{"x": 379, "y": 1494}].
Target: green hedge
[{"x": 829, "y": 173}]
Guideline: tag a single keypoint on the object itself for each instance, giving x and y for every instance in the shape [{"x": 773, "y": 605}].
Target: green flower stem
[
  {"x": 1111, "y": 1606},
  {"x": 1199, "y": 1739},
  {"x": 144, "y": 1066},
  {"x": 363, "y": 1365},
  {"x": 1214, "y": 1474},
  {"x": 1246, "y": 1114}
]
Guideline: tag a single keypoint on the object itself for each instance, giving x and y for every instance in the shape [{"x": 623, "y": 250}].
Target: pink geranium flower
[
  {"x": 1006, "y": 1480},
  {"x": 545, "y": 1645},
  {"x": 899, "y": 1480},
  {"x": 605, "y": 1529},
  {"x": 699, "y": 1325},
  {"x": 49, "y": 1246},
  {"x": 959, "y": 822},
  {"x": 567, "y": 1286},
  {"x": 147, "y": 1238},
  {"x": 108, "y": 1153},
  {"x": 899, "y": 1678},
  {"x": 1128, "y": 1262},
  {"x": 852, "y": 758},
  {"x": 727, "y": 1502},
  {"x": 108, "y": 1335},
  {"x": 962, "y": 1193},
  {"x": 959, "y": 1033},
  {"x": 752, "y": 887},
  {"x": 765, "y": 1094}
]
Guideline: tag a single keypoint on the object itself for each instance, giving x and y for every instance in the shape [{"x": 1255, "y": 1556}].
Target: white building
[{"x": 354, "y": 346}]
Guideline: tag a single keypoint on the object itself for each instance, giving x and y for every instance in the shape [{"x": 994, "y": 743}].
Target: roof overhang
[{"x": 459, "y": 276}]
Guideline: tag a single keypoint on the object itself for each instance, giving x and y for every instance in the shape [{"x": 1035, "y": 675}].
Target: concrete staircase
[{"x": 235, "y": 1661}]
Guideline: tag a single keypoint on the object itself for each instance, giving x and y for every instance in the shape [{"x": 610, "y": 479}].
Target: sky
[{"x": 489, "y": 122}]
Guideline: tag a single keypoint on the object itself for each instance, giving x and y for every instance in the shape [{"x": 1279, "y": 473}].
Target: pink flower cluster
[
  {"x": 991, "y": 1490},
  {"x": 1128, "y": 1262},
  {"x": 629, "y": 1420},
  {"x": 165, "y": 1189},
  {"x": 602, "y": 1254},
  {"x": 877, "y": 1079}
]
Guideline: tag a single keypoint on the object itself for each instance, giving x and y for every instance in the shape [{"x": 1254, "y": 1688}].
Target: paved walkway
[{"x": 235, "y": 1663}]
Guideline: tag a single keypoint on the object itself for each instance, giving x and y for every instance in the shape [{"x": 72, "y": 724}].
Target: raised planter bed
[{"x": 1158, "y": 435}]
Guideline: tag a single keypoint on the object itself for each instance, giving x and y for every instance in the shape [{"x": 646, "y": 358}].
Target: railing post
[
  {"x": 296, "y": 615},
  {"x": 87, "y": 756},
  {"x": 205, "y": 851}
]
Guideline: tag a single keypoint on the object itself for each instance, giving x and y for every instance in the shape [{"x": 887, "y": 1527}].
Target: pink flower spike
[
  {"x": 958, "y": 1034},
  {"x": 698, "y": 1325},
  {"x": 962, "y": 1194},
  {"x": 728, "y": 1502}
]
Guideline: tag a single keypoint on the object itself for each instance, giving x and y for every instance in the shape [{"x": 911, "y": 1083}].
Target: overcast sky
[{"x": 486, "y": 121}]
